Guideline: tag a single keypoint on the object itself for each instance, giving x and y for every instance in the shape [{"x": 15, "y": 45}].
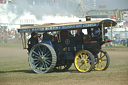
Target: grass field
[{"x": 14, "y": 70}]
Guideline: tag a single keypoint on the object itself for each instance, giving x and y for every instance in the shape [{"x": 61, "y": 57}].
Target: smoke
[
  {"x": 45, "y": 7},
  {"x": 41, "y": 8}
]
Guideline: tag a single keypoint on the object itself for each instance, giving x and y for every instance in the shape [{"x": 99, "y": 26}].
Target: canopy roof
[{"x": 67, "y": 26}]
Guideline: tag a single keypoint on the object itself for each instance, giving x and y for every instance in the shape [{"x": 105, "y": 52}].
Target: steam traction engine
[{"x": 64, "y": 49}]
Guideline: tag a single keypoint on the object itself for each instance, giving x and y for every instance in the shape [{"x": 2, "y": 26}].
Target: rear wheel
[
  {"x": 42, "y": 58},
  {"x": 102, "y": 61},
  {"x": 84, "y": 61}
]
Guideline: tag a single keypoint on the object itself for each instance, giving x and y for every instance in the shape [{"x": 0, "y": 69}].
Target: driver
[
  {"x": 96, "y": 32},
  {"x": 32, "y": 41}
]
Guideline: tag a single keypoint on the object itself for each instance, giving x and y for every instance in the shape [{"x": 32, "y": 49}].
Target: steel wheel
[
  {"x": 42, "y": 58},
  {"x": 63, "y": 67},
  {"x": 84, "y": 61},
  {"x": 102, "y": 61}
]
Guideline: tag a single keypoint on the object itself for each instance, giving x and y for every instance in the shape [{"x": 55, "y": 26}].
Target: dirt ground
[{"x": 14, "y": 70}]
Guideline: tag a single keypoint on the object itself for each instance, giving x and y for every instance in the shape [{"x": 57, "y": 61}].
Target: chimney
[{"x": 88, "y": 18}]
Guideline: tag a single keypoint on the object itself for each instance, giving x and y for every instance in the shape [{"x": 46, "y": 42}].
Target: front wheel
[
  {"x": 84, "y": 61},
  {"x": 42, "y": 58},
  {"x": 102, "y": 61}
]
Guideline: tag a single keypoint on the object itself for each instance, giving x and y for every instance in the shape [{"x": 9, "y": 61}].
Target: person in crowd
[{"x": 124, "y": 41}]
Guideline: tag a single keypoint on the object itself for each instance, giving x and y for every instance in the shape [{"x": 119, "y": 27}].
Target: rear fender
[{"x": 47, "y": 42}]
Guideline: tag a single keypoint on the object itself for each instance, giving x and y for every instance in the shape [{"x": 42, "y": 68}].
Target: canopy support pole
[
  {"x": 111, "y": 32},
  {"x": 59, "y": 37},
  {"x": 23, "y": 39},
  {"x": 102, "y": 31}
]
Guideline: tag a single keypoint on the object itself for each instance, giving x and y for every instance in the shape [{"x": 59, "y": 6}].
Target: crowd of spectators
[
  {"x": 9, "y": 36},
  {"x": 118, "y": 41},
  {"x": 123, "y": 41}
]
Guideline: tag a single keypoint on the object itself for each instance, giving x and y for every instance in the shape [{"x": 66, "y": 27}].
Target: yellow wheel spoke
[
  {"x": 100, "y": 54},
  {"x": 87, "y": 66},
  {"x": 102, "y": 64},
  {"x": 97, "y": 65},
  {"x": 83, "y": 66},
  {"x": 104, "y": 59},
  {"x": 79, "y": 59},
  {"x": 85, "y": 56},
  {"x": 81, "y": 56}
]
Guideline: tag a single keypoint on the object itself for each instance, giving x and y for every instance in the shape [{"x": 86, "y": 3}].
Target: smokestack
[{"x": 88, "y": 18}]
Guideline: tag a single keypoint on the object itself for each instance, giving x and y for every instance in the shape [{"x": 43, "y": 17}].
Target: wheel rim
[
  {"x": 102, "y": 61},
  {"x": 84, "y": 61},
  {"x": 42, "y": 58}
]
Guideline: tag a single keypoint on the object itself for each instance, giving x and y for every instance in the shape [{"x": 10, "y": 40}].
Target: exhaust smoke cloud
[{"x": 38, "y": 10}]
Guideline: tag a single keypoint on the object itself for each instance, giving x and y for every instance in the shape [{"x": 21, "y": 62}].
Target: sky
[{"x": 113, "y": 4}]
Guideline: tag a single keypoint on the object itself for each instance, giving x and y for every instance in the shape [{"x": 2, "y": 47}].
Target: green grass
[
  {"x": 15, "y": 70},
  {"x": 11, "y": 45}
]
